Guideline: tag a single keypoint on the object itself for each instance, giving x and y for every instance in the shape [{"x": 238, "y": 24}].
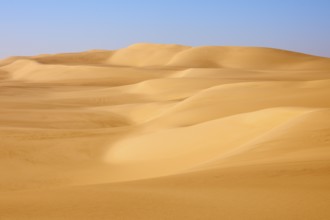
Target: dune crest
[{"x": 211, "y": 132}]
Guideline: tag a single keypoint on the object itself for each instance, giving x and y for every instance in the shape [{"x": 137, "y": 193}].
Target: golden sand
[{"x": 165, "y": 132}]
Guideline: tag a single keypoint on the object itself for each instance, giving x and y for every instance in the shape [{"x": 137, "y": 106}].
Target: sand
[{"x": 165, "y": 132}]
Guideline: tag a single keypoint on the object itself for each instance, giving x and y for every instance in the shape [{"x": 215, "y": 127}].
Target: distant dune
[{"x": 157, "y": 131}]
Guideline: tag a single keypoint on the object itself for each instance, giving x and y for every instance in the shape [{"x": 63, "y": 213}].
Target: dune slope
[{"x": 165, "y": 132}]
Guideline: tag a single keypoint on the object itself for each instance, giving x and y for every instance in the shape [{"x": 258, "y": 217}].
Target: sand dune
[{"x": 165, "y": 132}]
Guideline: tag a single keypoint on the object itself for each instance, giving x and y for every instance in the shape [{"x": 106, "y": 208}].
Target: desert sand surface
[{"x": 157, "y": 131}]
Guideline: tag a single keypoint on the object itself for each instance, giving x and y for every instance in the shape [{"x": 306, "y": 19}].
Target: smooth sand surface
[{"x": 165, "y": 132}]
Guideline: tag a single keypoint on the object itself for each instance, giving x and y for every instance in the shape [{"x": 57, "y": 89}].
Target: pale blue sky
[{"x": 31, "y": 27}]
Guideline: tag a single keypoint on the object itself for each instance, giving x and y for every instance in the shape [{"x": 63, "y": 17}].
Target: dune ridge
[
  {"x": 157, "y": 131},
  {"x": 150, "y": 55}
]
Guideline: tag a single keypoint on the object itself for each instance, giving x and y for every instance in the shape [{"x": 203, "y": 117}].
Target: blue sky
[{"x": 31, "y": 27}]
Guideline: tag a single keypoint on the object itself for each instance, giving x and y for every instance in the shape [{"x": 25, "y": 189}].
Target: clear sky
[{"x": 31, "y": 27}]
